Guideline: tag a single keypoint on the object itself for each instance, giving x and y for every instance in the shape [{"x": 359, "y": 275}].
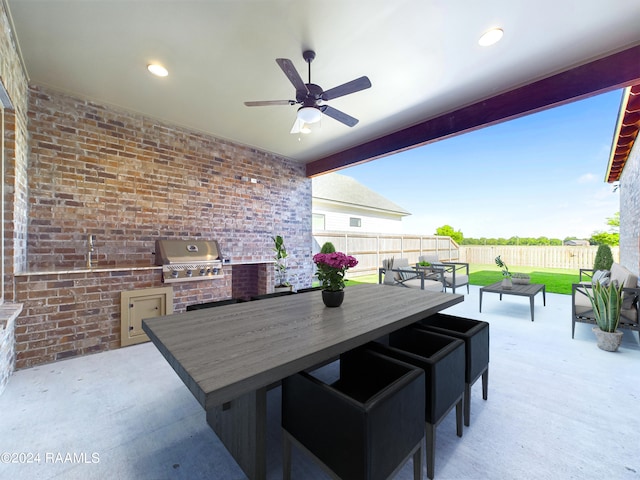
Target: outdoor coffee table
[{"x": 529, "y": 290}]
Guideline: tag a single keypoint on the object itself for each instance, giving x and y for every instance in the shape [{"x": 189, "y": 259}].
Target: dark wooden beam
[{"x": 609, "y": 73}]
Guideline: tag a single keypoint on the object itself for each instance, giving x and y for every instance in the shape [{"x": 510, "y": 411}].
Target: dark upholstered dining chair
[
  {"x": 475, "y": 334},
  {"x": 366, "y": 425},
  {"x": 443, "y": 359}
]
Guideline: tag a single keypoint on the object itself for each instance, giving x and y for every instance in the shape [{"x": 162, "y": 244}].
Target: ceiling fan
[{"x": 311, "y": 96}]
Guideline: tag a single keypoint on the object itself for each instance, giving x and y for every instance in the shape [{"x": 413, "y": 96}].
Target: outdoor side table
[{"x": 530, "y": 290}]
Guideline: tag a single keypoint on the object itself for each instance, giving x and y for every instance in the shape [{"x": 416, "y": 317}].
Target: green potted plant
[
  {"x": 281, "y": 264},
  {"x": 606, "y": 302},
  {"x": 520, "y": 278},
  {"x": 506, "y": 274}
]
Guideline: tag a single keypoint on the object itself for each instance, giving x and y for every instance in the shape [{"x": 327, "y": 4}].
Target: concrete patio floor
[{"x": 557, "y": 409}]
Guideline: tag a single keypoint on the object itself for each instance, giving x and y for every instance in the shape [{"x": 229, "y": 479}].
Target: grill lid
[{"x": 186, "y": 251}]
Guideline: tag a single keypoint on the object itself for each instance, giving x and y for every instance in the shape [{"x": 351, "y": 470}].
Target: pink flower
[{"x": 332, "y": 267}]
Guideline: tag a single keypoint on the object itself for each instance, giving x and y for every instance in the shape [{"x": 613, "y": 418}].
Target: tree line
[{"x": 612, "y": 237}]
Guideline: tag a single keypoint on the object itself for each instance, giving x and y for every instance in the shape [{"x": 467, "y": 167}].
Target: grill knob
[
  {"x": 174, "y": 273},
  {"x": 203, "y": 272},
  {"x": 189, "y": 273}
]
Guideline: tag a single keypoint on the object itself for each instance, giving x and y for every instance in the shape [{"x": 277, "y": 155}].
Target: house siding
[{"x": 340, "y": 221}]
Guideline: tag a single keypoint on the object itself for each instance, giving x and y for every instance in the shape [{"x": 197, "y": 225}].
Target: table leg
[
  {"x": 480, "y": 300},
  {"x": 241, "y": 425},
  {"x": 544, "y": 295},
  {"x": 531, "y": 303}
]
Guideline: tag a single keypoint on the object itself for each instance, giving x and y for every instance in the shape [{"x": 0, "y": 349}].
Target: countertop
[{"x": 120, "y": 268}]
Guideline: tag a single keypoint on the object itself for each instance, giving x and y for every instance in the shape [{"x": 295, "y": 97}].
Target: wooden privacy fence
[
  {"x": 370, "y": 248},
  {"x": 567, "y": 257}
]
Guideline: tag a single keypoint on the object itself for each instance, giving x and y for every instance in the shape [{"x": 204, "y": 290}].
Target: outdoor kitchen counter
[
  {"x": 121, "y": 268},
  {"x": 69, "y": 270},
  {"x": 229, "y": 355}
]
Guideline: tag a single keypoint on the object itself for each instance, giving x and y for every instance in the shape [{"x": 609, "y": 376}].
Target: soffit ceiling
[
  {"x": 422, "y": 57},
  {"x": 626, "y": 133}
]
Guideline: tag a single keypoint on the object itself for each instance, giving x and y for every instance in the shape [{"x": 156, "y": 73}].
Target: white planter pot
[
  {"x": 388, "y": 278},
  {"x": 608, "y": 341}
]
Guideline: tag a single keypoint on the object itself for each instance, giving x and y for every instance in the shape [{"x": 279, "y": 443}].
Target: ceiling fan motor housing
[{"x": 310, "y": 99}]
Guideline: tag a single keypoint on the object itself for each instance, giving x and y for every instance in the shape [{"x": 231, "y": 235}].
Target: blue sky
[{"x": 539, "y": 175}]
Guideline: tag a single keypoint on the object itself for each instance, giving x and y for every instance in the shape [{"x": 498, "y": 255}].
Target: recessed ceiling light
[
  {"x": 490, "y": 37},
  {"x": 157, "y": 70}
]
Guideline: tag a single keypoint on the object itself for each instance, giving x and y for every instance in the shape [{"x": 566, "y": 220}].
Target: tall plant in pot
[
  {"x": 281, "y": 264},
  {"x": 606, "y": 301},
  {"x": 506, "y": 274}
]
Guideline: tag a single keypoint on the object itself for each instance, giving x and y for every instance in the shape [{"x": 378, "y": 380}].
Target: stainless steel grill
[{"x": 188, "y": 260}]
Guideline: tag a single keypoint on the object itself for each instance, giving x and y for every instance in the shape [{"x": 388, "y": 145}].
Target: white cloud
[{"x": 587, "y": 178}]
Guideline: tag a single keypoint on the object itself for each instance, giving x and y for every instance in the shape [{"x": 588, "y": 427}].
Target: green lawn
[{"x": 556, "y": 280}]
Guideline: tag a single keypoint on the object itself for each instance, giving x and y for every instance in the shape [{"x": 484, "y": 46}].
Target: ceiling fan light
[
  {"x": 490, "y": 37},
  {"x": 309, "y": 114}
]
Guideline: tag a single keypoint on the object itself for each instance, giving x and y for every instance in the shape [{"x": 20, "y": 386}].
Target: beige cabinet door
[{"x": 141, "y": 304}]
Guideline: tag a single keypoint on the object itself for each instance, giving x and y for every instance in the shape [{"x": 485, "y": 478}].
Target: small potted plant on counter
[{"x": 281, "y": 264}]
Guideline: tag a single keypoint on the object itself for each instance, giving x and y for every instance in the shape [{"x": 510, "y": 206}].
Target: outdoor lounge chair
[
  {"x": 406, "y": 276},
  {"x": 582, "y": 310},
  {"x": 456, "y": 274}
]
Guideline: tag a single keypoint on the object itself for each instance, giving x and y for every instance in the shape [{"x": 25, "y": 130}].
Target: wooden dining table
[{"x": 229, "y": 356}]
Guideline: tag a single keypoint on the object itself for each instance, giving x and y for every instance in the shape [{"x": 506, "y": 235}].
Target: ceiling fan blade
[
  {"x": 353, "y": 86},
  {"x": 269, "y": 102},
  {"x": 342, "y": 117},
  {"x": 292, "y": 74}
]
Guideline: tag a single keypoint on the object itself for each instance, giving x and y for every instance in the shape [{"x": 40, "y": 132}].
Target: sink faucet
[{"x": 91, "y": 250}]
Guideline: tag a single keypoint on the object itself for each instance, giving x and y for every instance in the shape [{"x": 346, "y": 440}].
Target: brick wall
[
  {"x": 7, "y": 350},
  {"x": 14, "y": 80},
  {"x": 8, "y": 314},
  {"x": 69, "y": 315},
  {"x": 246, "y": 280},
  {"x": 629, "y": 208},
  {"x": 131, "y": 180}
]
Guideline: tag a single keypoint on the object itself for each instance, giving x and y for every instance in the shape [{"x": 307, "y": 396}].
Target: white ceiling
[{"x": 422, "y": 57}]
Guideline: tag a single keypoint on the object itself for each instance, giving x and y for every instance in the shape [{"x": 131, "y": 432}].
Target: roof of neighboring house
[
  {"x": 625, "y": 134},
  {"x": 577, "y": 242},
  {"x": 346, "y": 190}
]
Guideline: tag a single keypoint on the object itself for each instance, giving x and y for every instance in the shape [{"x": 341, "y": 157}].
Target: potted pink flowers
[{"x": 331, "y": 270}]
